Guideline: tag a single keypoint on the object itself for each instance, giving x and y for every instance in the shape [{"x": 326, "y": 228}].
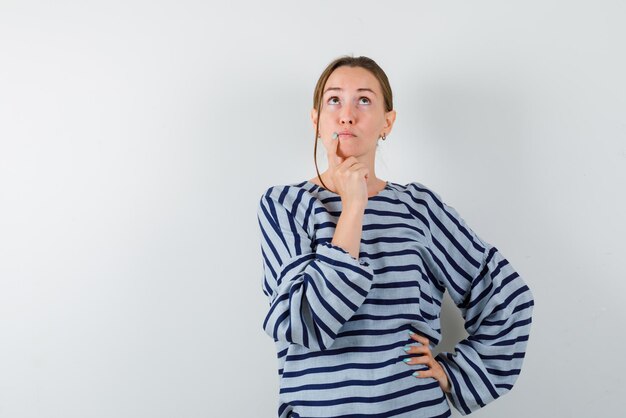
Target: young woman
[{"x": 355, "y": 269}]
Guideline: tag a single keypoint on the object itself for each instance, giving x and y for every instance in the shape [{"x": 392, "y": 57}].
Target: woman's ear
[
  {"x": 390, "y": 118},
  {"x": 314, "y": 117}
]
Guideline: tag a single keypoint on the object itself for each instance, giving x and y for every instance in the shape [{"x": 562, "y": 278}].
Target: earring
[{"x": 383, "y": 137}]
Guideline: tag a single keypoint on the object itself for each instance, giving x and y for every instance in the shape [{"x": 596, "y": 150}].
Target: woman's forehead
[{"x": 352, "y": 78}]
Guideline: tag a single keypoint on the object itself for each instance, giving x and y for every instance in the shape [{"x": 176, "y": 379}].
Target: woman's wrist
[
  {"x": 444, "y": 382},
  {"x": 446, "y": 385}
]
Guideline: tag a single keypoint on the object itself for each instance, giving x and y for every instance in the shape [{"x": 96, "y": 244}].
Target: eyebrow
[{"x": 361, "y": 89}]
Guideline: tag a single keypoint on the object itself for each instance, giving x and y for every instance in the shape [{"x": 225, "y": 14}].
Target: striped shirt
[{"x": 340, "y": 323}]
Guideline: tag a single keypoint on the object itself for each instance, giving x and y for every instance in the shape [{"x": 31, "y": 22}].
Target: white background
[{"x": 136, "y": 138}]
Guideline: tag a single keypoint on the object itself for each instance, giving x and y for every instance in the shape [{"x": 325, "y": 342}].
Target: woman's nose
[{"x": 347, "y": 115}]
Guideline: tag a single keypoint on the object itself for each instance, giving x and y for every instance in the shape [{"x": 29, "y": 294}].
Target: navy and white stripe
[{"x": 339, "y": 323}]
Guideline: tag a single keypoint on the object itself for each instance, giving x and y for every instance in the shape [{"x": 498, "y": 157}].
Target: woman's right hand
[
  {"x": 349, "y": 178},
  {"x": 349, "y": 175}
]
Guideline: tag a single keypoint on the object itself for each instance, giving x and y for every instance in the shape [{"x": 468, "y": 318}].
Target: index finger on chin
[{"x": 333, "y": 159}]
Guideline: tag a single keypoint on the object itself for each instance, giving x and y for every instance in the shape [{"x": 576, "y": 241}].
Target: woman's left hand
[{"x": 436, "y": 370}]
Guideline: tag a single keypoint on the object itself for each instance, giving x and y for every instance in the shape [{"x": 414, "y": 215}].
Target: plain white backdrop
[{"x": 136, "y": 138}]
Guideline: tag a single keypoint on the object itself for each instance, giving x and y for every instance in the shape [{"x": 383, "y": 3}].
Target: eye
[{"x": 330, "y": 99}]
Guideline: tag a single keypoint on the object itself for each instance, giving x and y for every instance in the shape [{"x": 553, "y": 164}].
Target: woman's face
[{"x": 353, "y": 101}]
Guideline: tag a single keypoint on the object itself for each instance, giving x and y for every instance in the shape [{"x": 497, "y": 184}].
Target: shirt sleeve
[
  {"x": 313, "y": 289},
  {"x": 496, "y": 305}
]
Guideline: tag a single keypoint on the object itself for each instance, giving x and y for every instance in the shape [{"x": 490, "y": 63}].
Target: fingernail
[
  {"x": 406, "y": 360},
  {"x": 416, "y": 374},
  {"x": 406, "y": 348},
  {"x": 411, "y": 333}
]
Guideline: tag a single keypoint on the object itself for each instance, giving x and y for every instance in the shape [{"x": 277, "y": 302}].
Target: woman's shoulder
[
  {"x": 295, "y": 200},
  {"x": 418, "y": 191},
  {"x": 426, "y": 202},
  {"x": 291, "y": 194},
  {"x": 423, "y": 191}
]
